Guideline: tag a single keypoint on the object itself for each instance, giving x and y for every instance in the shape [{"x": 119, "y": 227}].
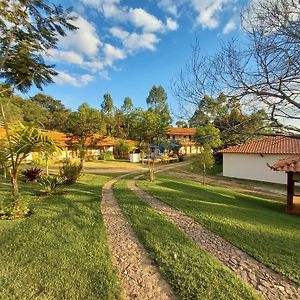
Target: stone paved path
[
  {"x": 265, "y": 281},
  {"x": 140, "y": 279}
]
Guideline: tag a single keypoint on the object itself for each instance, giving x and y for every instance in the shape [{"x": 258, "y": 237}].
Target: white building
[{"x": 252, "y": 160}]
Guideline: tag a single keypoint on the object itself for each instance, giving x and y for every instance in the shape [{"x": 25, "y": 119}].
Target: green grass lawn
[
  {"x": 194, "y": 167},
  {"x": 218, "y": 168},
  {"x": 255, "y": 224},
  {"x": 60, "y": 251},
  {"x": 191, "y": 272}
]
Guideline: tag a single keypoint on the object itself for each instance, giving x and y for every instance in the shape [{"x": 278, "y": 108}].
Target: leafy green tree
[
  {"x": 82, "y": 125},
  {"x": 107, "y": 109},
  {"x": 27, "y": 29},
  {"x": 56, "y": 111},
  {"x": 182, "y": 124},
  {"x": 128, "y": 113},
  {"x": 119, "y": 124},
  {"x": 209, "y": 138},
  {"x": 49, "y": 103},
  {"x": 122, "y": 149},
  {"x": 157, "y": 102},
  {"x": 14, "y": 112},
  {"x": 148, "y": 127},
  {"x": 33, "y": 113},
  {"x": 157, "y": 118},
  {"x": 227, "y": 115},
  {"x": 127, "y": 106}
]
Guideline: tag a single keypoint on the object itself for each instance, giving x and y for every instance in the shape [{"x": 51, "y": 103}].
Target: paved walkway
[
  {"x": 140, "y": 279},
  {"x": 265, "y": 281}
]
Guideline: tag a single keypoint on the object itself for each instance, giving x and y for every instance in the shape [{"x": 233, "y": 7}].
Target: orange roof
[
  {"x": 108, "y": 141},
  {"x": 56, "y": 136},
  {"x": 182, "y": 131},
  {"x": 269, "y": 145},
  {"x": 291, "y": 164},
  {"x": 63, "y": 139}
]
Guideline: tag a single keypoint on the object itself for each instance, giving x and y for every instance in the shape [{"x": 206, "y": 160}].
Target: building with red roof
[
  {"x": 186, "y": 138},
  {"x": 253, "y": 160}
]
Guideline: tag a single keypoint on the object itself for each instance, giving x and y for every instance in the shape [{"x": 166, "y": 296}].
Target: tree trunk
[
  {"x": 204, "y": 172},
  {"x": 47, "y": 166},
  {"x": 15, "y": 185}
]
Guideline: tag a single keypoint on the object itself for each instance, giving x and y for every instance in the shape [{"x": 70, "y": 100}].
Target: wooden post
[{"x": 290, "y": 191}]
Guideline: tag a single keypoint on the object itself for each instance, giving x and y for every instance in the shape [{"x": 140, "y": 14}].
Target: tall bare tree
[{"x": 263, "y": 69}]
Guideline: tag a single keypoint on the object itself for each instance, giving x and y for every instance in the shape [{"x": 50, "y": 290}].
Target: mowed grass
[
  {"x": 192, "y": 273},
  {"x": 60, "y": 251},
  {"x": 195, "y": 167},
  {"x": 255, "y": 224}
]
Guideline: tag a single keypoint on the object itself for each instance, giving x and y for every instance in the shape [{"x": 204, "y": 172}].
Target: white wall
[{"x": 253, "y": 166}]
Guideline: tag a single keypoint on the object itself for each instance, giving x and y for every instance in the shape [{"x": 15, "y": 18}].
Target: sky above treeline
[{"x": 125, "y": 47}]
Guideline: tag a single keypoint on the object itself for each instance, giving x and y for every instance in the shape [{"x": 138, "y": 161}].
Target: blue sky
[{"x": 125, "y": 47}]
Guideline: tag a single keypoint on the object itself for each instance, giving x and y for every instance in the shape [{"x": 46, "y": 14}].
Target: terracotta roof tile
[
  {"x": 291, "y": 164},
  {"x": 56, "y": 136},
  {"x": 270, "y": 145},
  {"x": 182, "y": 131}
]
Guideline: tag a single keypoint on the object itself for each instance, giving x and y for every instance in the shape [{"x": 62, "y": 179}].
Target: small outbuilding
[
  {"x": 252, "y": 160},
  {"x": 291, "y": 166}
]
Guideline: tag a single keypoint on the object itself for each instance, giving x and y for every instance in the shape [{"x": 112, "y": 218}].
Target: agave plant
[
  {"x": 32, "y": 174},
  {"x": 50, "y": 184}
]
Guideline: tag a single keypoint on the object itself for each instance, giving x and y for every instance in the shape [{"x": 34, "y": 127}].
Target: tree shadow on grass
[
  {"x": 65, "y": 235},
  {"x": 220, "y": 195},
  {"x": 257, "y": 225},
  {"x": 213, "y": 203}
]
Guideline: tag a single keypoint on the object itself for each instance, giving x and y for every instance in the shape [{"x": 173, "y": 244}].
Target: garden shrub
[
  {"x": 38, "y": 162},
  {"x": 50, "y": 184},
  {"x": 32, "y": 174},
  {"x": 70, "y": 171},
  {"x": 122, "y": 149},
  {"x": 13, "y": 212},
  {"x": 107, "y": 156}
]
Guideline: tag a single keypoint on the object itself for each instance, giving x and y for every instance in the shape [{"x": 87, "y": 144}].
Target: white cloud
[
  {"x": 109, "y": 8},
  {"x": 65, "y": 56},
  {"x": 112, "y": 53},
  {"x": 142, "y": 19},
  {"x": 141, "y": 41},
  {"x": 77, "y": 81},
  {"x": 71, "y": 57},
  {"x": 85, "y": 40},
  {"x": 230, "y": 26},
  {"x": 171, "y": 24},
  {"x": 119, "y": 33},
  {"x": 209, "y": 11},
  {"x": 168, "y": 6},
  {"x": 134, "y": 41},
  {"x": 138, "y": 17}
]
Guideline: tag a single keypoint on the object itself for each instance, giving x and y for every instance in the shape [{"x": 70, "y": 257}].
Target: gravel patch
[{"x": 267, "y": 283}]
